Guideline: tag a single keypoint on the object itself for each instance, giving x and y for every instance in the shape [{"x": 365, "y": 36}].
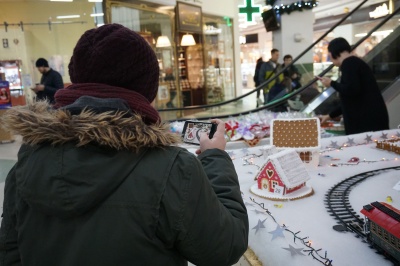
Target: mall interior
[{"x": 207, "y": 52}]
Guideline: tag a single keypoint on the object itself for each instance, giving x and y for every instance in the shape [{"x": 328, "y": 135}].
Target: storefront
[
  {"x": 32, "y": 30},
  {"x": 195, "y": 50},
  {"x": 201, "y": 71}
]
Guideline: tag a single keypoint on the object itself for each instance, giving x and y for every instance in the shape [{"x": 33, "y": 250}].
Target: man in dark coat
[
  {"x": 117, "y": 190},
  {"x": 268, "y": 70},
  {"x": 361, "y": 102},
  {"x": 50, "y": 82}
]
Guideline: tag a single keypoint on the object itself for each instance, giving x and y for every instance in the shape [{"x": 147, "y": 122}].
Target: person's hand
[
  {"x": 324, "y": 118},
  {"x": 325, "y": 81},
  {"x": 39, "y": 87},
  {"x": 218, "y": 140}
]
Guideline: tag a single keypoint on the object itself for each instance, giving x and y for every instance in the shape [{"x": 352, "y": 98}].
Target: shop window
[
  {"x": 156, "y": 28},
  {"x": 218, "y": 70}
]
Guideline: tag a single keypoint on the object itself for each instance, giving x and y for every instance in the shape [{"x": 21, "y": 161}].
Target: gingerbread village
[{"x": 295, "y": 145}]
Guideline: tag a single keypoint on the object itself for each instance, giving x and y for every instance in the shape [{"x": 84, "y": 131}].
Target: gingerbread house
[
  {"x": 282, "y": 177},
  {"x": 301, "y": 134}
]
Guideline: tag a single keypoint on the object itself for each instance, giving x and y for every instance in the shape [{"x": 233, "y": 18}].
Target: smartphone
[{"x": 192, "y": 129}]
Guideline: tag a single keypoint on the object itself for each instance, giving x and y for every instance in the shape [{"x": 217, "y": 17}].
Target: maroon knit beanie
[{"x": 115, "y": 55}]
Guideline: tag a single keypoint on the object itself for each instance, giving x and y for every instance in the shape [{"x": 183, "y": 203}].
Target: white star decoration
[
  {"x": 384, "y": 136},
  {"x": 334, "y": 144},
  {"x": 294, "y": 251},
  {"x": 350, "y": 141},
  {"x": 278, "y": 232},
  {"x": 259, "y": 225},
  {"x": 398, "y": 134},
  {"x": 368, "y": 139}
]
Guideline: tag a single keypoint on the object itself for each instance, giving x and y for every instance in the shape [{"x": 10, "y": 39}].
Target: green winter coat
[{"x": 106, "y": 189}]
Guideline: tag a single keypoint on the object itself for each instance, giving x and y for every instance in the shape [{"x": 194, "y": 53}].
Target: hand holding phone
[
  {"x": 218, "y": 140},
  {"x": 192, "y": 131},
  {"x": 325, "y": 81}
]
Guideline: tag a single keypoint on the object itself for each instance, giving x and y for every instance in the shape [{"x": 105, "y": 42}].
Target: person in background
[
  {"x": 118, "y": 190},
  {"x": 50, "y": 82},
  {"x": 257, "y": 80},
  {"x": 169, "y": 77},
  {"x": 278, "y": 91},
  {"x": 267, "y": 71},
  {"x": 361, "y": 102},
  {"x": 291, "y": 72}
]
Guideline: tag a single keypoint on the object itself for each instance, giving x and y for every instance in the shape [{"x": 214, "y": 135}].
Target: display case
[
  {"x": 195, "y": 64},
  {"x": 219, "y": 54},
  {"x": 12, "y": 74},
  {"x": 182, "y": 63}
]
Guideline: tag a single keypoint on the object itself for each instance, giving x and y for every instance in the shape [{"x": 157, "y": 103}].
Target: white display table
[{"x": 308, "y": 217}]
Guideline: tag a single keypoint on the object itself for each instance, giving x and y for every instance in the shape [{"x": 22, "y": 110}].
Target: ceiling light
[
  {"x": 95, "y": 1},
  {"x": 97, "y": 15},
  {"x": 61, "y": 0},
  {"x": 188, "y": 40},
  {"x": 69, "y": 16},
  {"x": 375, "y": 33}
]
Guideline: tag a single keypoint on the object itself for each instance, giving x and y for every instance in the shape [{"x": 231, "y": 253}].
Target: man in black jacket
[
  {"x": 50, "y": 82},
  {"x": 361, "y": 101}
]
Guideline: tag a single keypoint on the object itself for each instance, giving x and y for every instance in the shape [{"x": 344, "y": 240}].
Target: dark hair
[
  {"x": 274, "y": 51},
  {"x": 259, "y": 59},
  {"x": 41, "y": 62},
  {"x": 337, "y": 46},
  {"x": 287, "y": 56}
]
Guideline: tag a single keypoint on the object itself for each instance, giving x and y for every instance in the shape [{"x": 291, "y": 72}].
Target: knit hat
[
  {"x": 41, "y": 62},
  {"x": 115, "y": 55}
]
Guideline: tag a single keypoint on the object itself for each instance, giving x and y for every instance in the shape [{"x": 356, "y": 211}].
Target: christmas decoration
[
  {"x": 314, "y": 253},
  {"x": 296, "y": 6},
  {"x": 260, "y": 225}
]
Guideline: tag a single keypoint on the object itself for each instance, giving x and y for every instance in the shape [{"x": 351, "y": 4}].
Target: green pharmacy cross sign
[{"x": 249, "y": 9}]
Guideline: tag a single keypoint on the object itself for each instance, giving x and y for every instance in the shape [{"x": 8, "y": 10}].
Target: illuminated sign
[{"x": 249, "y": 9}]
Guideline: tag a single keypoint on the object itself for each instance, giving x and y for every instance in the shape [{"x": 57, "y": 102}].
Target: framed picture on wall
[{"x": 189, "y": 17}]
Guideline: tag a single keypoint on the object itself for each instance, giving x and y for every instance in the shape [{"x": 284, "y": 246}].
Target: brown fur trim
[{"x": 38, "y": 123}]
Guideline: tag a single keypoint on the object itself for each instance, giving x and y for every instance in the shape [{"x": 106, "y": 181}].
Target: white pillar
[{"x": 295, "y": 35}]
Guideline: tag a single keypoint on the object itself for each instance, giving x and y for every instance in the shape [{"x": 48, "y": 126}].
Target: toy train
[{"x": 382, "y": 227}]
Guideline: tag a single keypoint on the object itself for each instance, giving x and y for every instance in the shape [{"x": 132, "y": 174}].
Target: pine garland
[{"x": 296, "y": 6}]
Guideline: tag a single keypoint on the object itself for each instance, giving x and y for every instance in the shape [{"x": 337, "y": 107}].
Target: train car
[{"x": 382, "y": 226}]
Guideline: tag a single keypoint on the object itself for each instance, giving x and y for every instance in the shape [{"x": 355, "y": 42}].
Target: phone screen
[{"x": 192, "y": 129}]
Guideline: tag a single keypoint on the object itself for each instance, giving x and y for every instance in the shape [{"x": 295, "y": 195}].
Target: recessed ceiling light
[
  {"x": 97, "y": 15},
  {"x": 61, "y": 0},
  {"x": 69, "y": 16}
]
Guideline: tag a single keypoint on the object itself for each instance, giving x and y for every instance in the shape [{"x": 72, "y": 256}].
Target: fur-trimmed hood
[{"x": 38, "y": 123}]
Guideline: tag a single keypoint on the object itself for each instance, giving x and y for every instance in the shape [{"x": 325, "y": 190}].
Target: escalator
[{"x": 246, "y": 103}]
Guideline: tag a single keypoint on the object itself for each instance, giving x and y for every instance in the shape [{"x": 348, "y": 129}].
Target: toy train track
[{"x": 338, "y": 204}]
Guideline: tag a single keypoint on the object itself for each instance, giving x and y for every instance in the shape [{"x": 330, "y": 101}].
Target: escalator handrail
[{"x": 259, "y": 87}]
